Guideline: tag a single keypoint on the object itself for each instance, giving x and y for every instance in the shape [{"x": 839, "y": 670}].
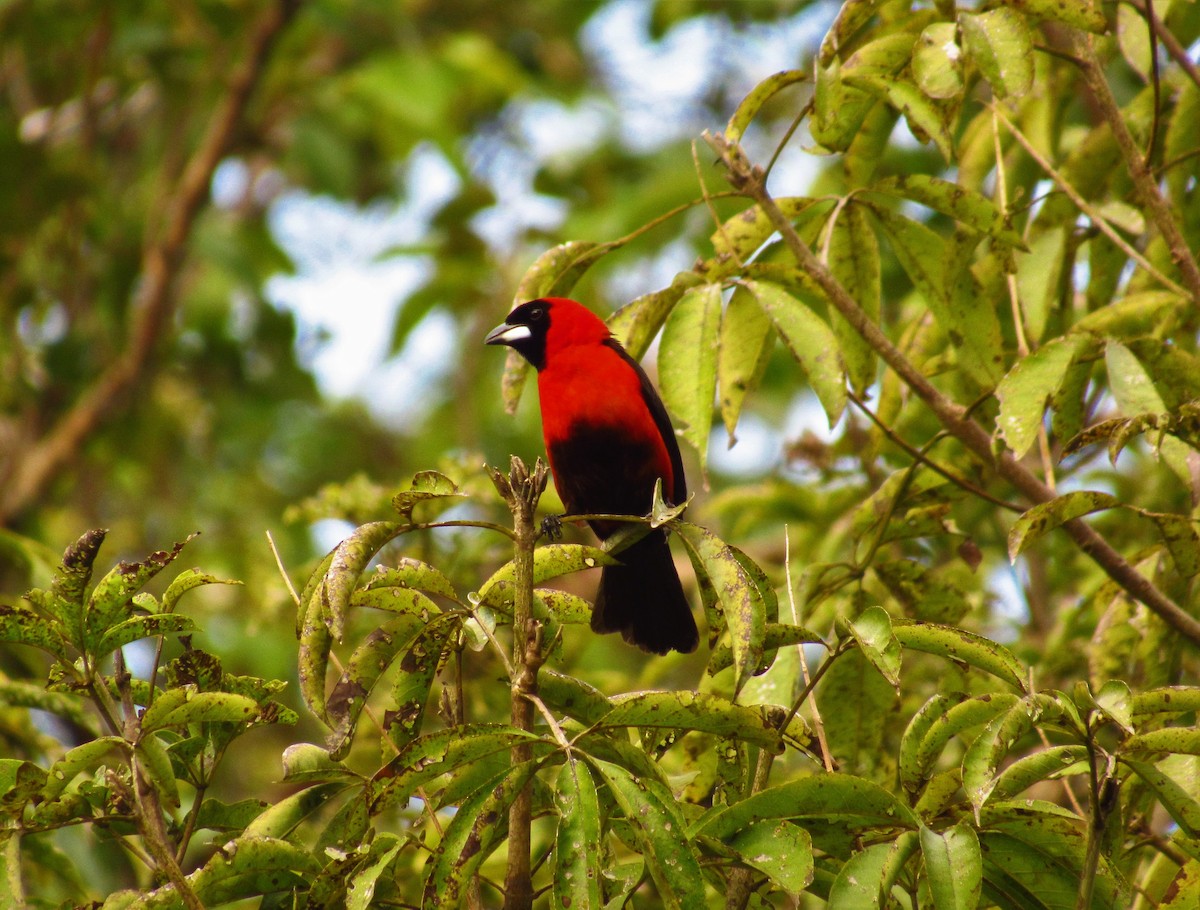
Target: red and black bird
[{"x": 609, "y": 439}]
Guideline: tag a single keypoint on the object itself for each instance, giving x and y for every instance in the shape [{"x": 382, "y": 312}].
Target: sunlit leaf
[
  {"x": 999, "y": 42},
  {"x": 1028, "y": 386},
  {"x": 577, "y": 850},
  {"x": 738, "y": 594},
  {"x": 811, "y": 342},
  {"x": 1045, "y": 517},
  {"x": 687, "y": 363},
  {"x": 953, "y": 866},
  {"x": 652, "y": 813},
  {"x": 477, "y": 828},
  {"x": 759, "y": 95},
  {"x": 745, "y": 348}
]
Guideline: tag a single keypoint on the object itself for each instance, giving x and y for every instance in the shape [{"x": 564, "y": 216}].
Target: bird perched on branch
[{"x": 609, "y": 440}]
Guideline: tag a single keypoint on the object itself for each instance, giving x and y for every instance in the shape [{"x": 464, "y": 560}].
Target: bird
[{"x": 609, "y": 440}]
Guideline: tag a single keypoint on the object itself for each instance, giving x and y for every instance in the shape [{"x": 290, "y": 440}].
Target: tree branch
[
  {"x": 953, "y": 417},
  {"x": 1139, "y": 168},
  {"x": 154, "y": 301}
]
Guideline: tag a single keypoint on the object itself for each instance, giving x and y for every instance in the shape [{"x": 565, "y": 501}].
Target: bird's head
[{"x": 541, "y": 326}]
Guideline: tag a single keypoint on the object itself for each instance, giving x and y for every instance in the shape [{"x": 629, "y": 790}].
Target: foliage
[{"x": 989, "y": 284}]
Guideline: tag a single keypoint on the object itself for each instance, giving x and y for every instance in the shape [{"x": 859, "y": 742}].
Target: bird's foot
[{"x": 552, "y": 527}]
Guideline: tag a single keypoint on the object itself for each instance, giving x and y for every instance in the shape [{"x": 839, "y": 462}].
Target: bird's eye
[{"x": 537, "y": 314}]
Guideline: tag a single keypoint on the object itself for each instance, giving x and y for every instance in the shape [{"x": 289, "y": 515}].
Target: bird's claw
[{"x": 552, "y": 527}]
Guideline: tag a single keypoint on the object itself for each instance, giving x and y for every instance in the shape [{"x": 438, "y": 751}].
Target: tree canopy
[{"x": 921, "y": 300}]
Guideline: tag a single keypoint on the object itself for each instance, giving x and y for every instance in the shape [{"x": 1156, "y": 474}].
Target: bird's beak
[{"x": 508, "y": 334}]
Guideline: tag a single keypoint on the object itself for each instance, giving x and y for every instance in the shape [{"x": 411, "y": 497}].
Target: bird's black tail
[{"x": 643, "y": 599}]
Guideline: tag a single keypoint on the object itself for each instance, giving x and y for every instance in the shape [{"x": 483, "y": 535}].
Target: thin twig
[
  {"x": 1159, "y": 209},
  {"x": 1093, "y": 213},
  {"x": 818, "y": 724}
]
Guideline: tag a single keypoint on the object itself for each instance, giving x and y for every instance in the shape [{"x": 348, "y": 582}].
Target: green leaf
[
  {"x": 1133, "y": 387},
  {"x": 963, "y": 204},
  {"x": 424, "y": 487},
  {"x": 140, "y": 627},
  {"x": 853, "y": 258},
  {"x": 23, "y": 626},
  {"x": 686, "y": 710},
  {"x": 811, "y": 342},
  {"x": 370, "y": 660},
  {"x": 408, "y": 572},
  {"x": 1179, "y": 803},
  {"x": 68, "y": 705},
  {"x": 651, "y": 811},
  {"x": 361, "y": 888},
  {"x": 981, "y": 764},
  {"x": 955, "y": 720},
  {"x": 745, "y": 349},
  {"x": 151, "y": 754},
  {"x": 577, "y": 843},
  {"x": 856, "y": 702},
  {"x": 184, "y": 705},
  {"x": 738, "y": 594},
  {"x": 1026, "y": 388},
  {"x": 71, "y": 581},
  {"x": 1165, "y": 700},
  {"x": 913, "y": 772},
  {"x": 865, "y": 881},
  {"x": 549, "y": 561},
  {"x": 411, "y": 688},
  {"x": 281, "y": 817},
  {"x": 477, "y": 828},
  {"x": 1045, "y": 517},
  {"x": 953, "y": 866},
  {"x": 1001, "y": 45},
  {"x": 186, "y": 581},
  {"x": 839, "y": 109},
  {"x": 1154, "y": 313},
  {"x": 759, "y": 95},
  {"x": 330, "y": 600},
  {"x": 249, "y": 867},
  {"x": 1184, "y": 891},
  {"x": 967, "y": 317},
  {"x": 637, "y": 322},
  {"x": 740, "y": 237},
  {"x": 687, "y": 367},
  {"x": 872, "y": 632},
  {"x": 1083, "y": 14},
  {"x": 962, "y": 646},
  {"x": 1046, "y": 764},
  {"x": 777, "y": 635},
  {"x": 925, "y": 118},
  {"x": 1040, "y": 277},
  {"x": 780, "y": 850},
  {"x": 82, "y": 759},
  {"x": 109, "y": 602},
  {"x": 1184, "y": 740},
  {"x": 851, "y": 17},
  {"x": 306, "y": 763},
  {"x": 937, "y": 61},
  {"x": 921, "y": 592},
  {"x": 833, "y": 795},
  {"x": 431, "y": 755}
]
